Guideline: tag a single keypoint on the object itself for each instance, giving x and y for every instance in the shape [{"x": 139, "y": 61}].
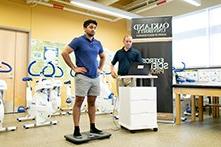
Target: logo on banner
[
  {"x": 152, "y": 27},
  {"x": 158, "y": 65}
]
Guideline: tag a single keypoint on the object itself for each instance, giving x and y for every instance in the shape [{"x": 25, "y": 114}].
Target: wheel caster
[
  {"x": 155, "y": 129},
  {"x": 132, "y": 131}
]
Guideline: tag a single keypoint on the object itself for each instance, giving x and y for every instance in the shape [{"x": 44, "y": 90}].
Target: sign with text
[
  {"x": 154, "y": 41},
  {"x": 151, "y": 27},
  {"x": 159, "y": 55}
]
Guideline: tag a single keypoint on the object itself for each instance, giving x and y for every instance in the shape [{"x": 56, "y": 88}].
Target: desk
[{"x": 195, "y": 89}]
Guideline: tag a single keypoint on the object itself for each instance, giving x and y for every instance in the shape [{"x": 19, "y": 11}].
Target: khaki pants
[{"x": 126, "y": 82}]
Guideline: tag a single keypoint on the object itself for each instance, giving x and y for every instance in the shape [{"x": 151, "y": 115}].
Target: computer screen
[{"x": 139, "y": 69}]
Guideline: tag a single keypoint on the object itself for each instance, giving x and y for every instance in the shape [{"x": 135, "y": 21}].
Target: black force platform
[{"x": 86, "y": 137}]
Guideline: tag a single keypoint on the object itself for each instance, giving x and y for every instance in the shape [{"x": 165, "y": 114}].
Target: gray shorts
[{"x": 85, "y": 86}]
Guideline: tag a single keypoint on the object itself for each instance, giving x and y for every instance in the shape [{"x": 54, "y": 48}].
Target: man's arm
[
  {"x": 113, "y": 73},
  {"x": 102, "y": 60},
  {"x": 113, "y": 62},
  {"x": 66, "y": 56},
  {"x": 139, "y": 57}
]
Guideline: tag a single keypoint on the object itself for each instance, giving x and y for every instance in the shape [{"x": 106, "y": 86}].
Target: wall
[{"x": 56, "y": 25}]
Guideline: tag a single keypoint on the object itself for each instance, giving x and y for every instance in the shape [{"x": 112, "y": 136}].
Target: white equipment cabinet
[{"x": 138, "y": 105}]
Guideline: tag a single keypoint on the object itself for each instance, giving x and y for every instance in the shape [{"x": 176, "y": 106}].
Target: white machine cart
[{"x": 138, "y": 104}]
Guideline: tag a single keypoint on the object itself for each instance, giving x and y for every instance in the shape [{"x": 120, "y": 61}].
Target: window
[
  {"x": 197, "y": 38},
  {"x": 215, "y": 36}
]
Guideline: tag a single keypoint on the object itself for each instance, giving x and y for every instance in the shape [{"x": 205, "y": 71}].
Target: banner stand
[{"x": 152, "y": 36}]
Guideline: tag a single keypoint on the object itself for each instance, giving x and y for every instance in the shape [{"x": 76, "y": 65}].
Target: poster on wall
[
  {"x": 51, "y": 54},
  {"x": 153, "y": 37},
  {"x": 45, "y": 51}
]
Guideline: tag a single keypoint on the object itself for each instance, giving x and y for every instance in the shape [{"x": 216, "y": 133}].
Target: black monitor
[{"x": 139, "y": 69}]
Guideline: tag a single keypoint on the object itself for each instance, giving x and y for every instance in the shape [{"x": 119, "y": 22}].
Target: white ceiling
[
  {"x": 140, "y": 7},
  {"x": 178, "y": 7},
  {"x": 171, "y": 7}
]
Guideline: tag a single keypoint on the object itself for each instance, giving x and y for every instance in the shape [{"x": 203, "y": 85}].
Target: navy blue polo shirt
[
  {"x": 125, "y": 59},
  {"x": 86, "y": 52}
]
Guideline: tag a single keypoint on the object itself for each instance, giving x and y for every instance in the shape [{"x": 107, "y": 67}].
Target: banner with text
[
  {"x": 153, "y": 37},
  {"x": 153, "y": 27}
]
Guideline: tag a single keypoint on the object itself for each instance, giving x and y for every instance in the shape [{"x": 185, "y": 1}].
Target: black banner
[
  {"x": 158, "y": 52},
  {"x": 151, "y": 27}
]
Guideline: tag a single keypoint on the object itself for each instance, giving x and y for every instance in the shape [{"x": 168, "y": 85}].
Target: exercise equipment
[
  {"x": 21, "y": 109},
  {"x": 39, "y": 106},
  {"x": 70, "y": 97},
  {"x": 56, "y": 94},
  {"x": 86, "y": 137},
  {"x": 3, "y": 86},
  {"x": 105, "y": 102},
  {"x": 30, "y": 108}
]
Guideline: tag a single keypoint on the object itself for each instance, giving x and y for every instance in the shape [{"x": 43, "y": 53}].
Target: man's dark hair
[{"x": 89, "y": 21}]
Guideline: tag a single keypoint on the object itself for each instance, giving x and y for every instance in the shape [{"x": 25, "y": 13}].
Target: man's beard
[
  {"x": 90, "y": 35},
  {"x": 128, "y": 46}
]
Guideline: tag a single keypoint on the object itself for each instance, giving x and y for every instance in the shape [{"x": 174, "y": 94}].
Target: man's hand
[
  {"x": 113, "y": 74},
  {"x": 80, "y": 70},
  {"x": 99, "y": 71}
]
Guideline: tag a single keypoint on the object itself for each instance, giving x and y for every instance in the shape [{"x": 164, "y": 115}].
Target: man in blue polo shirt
[{"x": 87, "y": 83}]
